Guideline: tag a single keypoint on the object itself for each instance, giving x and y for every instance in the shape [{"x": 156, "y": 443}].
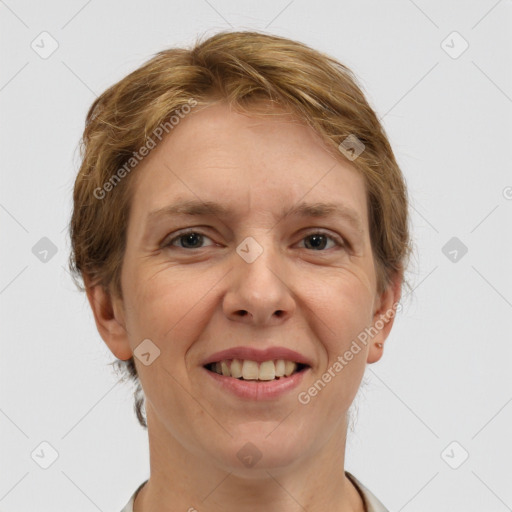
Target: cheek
[
  {"x": 339, "y": 377},
  {"x": 346, "y": 314},
  {"x": 346, "y": 305},
  {"x": 168, "y": 307}
]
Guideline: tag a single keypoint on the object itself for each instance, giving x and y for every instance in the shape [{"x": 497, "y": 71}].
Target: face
[{"x": 253, "y": 270}]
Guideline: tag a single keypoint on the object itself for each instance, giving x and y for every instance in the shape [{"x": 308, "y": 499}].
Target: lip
[
  {"x": 258, "y": 390},
  {"x": 258, "y": 355}
]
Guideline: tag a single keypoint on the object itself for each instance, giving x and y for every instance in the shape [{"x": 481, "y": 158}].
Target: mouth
[
  {"x": 248, "y": 370},
  {"x": 249, "y": 380}
]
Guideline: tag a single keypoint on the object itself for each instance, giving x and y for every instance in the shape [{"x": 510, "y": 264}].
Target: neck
[{"x": 188, "y": 481}]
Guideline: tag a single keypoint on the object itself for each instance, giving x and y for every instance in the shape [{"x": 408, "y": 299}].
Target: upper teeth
[{"x": 251, "y": 370}]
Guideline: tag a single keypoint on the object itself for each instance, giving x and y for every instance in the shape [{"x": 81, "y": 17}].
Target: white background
[{"x": 446, "y": 373}]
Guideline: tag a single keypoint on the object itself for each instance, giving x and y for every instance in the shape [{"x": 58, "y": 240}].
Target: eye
[
  {"x": 317, "y": 240},
  {"x": 187, "y": 240}
]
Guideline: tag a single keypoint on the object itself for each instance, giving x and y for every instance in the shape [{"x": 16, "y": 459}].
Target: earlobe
[
  {"x": 109, "y": 320},
  {"x": 383, "y": 318}
]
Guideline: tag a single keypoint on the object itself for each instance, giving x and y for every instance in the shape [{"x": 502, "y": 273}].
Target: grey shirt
[{"x": 371, "y": 503}]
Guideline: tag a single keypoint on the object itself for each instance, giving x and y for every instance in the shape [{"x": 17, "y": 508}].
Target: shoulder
[{"x": 371, "y": 502}]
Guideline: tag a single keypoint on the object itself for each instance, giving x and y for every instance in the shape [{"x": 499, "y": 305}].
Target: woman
[{"x": 241, "y": 227}]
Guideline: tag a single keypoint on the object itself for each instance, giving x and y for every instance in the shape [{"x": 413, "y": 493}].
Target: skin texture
[{"x": 194, "y": 300}]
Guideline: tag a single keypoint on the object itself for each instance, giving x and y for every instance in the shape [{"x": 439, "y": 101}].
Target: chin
[{"x": 253, "y": 454}]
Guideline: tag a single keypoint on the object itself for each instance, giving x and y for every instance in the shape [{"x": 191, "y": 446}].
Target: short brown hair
[{"x": 241, "y": 68}]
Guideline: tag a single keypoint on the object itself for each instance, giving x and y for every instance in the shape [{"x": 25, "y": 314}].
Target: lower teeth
[{"x": 258, "y": 380}]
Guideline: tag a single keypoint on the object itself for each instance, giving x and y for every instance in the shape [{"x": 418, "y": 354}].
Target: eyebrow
[{"x": 210, "y": 208}]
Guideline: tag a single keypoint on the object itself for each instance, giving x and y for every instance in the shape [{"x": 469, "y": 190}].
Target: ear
[
  {"x": 387, "y": 305},
  {"x": 109, "y": 317}
]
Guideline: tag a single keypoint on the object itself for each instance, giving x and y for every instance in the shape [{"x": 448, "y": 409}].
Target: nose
[{"x": 258, "y": 293}]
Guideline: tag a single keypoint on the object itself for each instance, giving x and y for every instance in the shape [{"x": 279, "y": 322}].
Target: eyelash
[{"x": 340, "y": 242}]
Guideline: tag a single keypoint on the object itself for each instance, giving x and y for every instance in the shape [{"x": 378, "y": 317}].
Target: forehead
[{"x": 263, "y": 162}]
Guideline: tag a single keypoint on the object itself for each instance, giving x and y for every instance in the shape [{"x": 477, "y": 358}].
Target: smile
[
  {"x": 257, "y": 382},
  {"x": 252, "y": 370}
]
